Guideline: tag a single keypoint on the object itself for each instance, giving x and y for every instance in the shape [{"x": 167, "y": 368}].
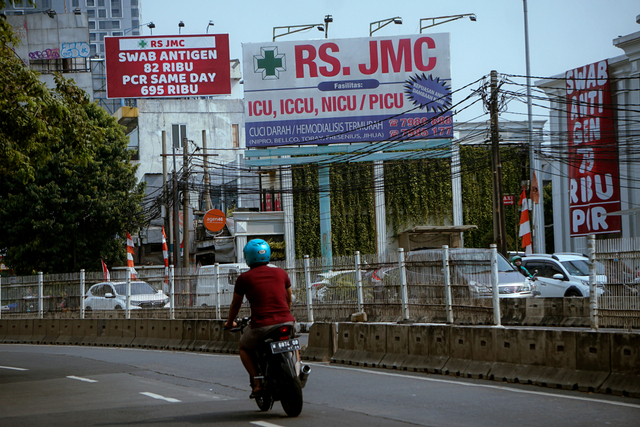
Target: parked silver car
[{"x": 113, "y": 296}]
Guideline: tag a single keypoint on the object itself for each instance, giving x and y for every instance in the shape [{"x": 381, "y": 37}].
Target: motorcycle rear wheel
[
  {"x": 264, "y": 402},
  {"x": 292, "y": 398}
]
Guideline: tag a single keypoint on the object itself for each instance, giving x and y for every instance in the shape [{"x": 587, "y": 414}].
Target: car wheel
[
  {"x": 573, "y": 293},
  {"x": 88, "y": 308},
  {"x": 117, "y": 307}
]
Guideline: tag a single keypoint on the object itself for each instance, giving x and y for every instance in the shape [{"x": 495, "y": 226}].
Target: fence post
[
  {"x": 447, "y": 283},
  {"x": 127, "y": 310},
  {"x": 495, "y": 285},
  {"x": 172, "y": 290},
  {"x": 403, "y": 284},
  {"x": 216, "y": 276},
  {"x": 82, "y": 293},
  {"x": 359, "y": 283},
  {"x": 307, "y": 282},
  {"x": 593, "y": 287},
  {"x": 40, "y": 291}
]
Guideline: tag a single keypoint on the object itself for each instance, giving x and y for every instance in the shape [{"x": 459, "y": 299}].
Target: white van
[{"x": 206, "y": 283}]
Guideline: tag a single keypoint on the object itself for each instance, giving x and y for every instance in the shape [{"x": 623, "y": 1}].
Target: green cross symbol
[
  {"x": 142, "y": 44},
  {"x": 269, "y": 64}
]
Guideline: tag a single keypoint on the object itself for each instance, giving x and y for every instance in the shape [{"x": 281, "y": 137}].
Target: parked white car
[
  {"x": 206, "y": 285},
  {"x": 113, "y": 296},
  {"x": 563, "y": 274}
]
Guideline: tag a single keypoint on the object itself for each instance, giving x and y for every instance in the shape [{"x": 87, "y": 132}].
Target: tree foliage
[{"x": 68, "y": 192}]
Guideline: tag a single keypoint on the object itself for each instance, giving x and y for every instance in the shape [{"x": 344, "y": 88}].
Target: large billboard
[
  {"x": 347, "y": 90},
  {"x": 167, "y": 66},
  {"x": 593, "y": 151}
]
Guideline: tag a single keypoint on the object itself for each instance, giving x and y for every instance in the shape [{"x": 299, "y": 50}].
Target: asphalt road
[{"x": 96, "y": 386}]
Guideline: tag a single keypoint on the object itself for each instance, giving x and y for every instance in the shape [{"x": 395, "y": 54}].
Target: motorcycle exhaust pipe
[{"x": 304, "y": 375}]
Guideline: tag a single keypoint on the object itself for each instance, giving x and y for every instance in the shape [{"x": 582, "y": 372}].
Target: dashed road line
[
  {"x": 86, "y": 380},
  {"x": 13, "y": 368},
  {"x": 157, "y": 396},
  {"x": 264, "y": 424}
]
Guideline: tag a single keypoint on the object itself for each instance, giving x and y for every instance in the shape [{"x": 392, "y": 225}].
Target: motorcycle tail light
[{"x": 284, "y": 333}]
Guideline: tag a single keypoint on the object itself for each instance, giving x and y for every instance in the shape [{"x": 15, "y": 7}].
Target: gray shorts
[{"x": 250, "y": 339}]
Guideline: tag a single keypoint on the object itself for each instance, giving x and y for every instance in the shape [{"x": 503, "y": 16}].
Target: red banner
[
  {"x": 167, "y": 66},
  {"x": 593, "y": 151}
]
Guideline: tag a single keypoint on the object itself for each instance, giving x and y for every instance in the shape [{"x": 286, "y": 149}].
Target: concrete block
[
  {"x": 322, "y": 344},
  {"x": 417, "y": 349},
  {"x": 38, "y": 330},
  {"x": 53, "y": 331},
  {"x": 348, "y": 352},
  {"x": 90, "y": 328},
  {"x": 624, "y": 379},
  {"x": 483, "y": 353},
  {"x": 593, "y": 359},
  {"x": 176, "y": 334},
  {"x": 4, "y": 326},
  {"x": 397, "y": 346},
  {"x": 188, "y": 334},
  {"x": 202, "y": 335},
  {"x": 375, "y": 343},
  {"x": 460, "y": 351},
  {"x": 66, "y": 333},
  {"x": 216, "y": 339}
]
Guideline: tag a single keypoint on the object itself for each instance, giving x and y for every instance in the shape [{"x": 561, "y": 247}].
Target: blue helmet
[{"x": 257, "y": 251}]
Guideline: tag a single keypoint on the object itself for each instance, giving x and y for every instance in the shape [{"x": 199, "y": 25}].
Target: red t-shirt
[{"x": 266, "y": 289}]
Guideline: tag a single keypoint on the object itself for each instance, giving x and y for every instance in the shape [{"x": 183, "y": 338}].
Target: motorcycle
[{"x": 281, "y": 375}]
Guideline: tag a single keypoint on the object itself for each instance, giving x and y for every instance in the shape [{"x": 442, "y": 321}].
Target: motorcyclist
[
  {"x": 517, "y": 262},
  {"x": 268, "y": 291}
]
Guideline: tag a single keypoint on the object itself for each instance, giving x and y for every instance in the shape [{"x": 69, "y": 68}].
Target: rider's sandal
[{"x": 255, "y": 393}]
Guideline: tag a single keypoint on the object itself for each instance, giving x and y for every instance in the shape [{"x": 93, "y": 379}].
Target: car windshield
[
  {"x": 137, "y": 288},
  {"x": 581, "y": 267},
  {"x": 503, "y": 264}
]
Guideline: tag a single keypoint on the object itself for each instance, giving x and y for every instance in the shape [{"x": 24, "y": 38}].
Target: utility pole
[
  {"x": 207, "y": 195},
  {"x": 499, "y": 226},
  {"x": 176, "y": 214},
  {"x": 185, "y": 206},
  {"x": 165, "y": 206}
]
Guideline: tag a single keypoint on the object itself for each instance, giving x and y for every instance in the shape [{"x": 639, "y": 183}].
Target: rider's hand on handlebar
[{"x": 231, "y": 325}]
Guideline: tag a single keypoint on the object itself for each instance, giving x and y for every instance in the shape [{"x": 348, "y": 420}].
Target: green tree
[{"x": 68, "y": 191}]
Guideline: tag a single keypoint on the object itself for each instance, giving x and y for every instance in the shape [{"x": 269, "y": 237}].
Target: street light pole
[
  {"x": 383, "y": 23},
  {"x": 538, "y": 219},
  {"x": 291, "y": 29},
  {"x": 472, "y": 17}
]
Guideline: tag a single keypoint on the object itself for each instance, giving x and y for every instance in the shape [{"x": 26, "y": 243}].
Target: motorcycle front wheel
[{"x": 292, "y": 397}]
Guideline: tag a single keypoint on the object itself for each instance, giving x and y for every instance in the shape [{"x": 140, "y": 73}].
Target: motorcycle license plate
[{"x": 284, "y": 346}]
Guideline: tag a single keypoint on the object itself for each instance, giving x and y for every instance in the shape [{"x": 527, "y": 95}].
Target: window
[
  {"x": 135, "y": 12},
  {"x": 115, "y": 25},
  {"x": 91, "y": 3},
  {"x": 117, "y": 34},
  {"x": 102, "y": 13},
  {"x": 109, "y": 25},
  {"x": 92, "y": 25},
  {"x": 116, "y": 8},
  {"x": 100, "y": 3},
  {"x": 94, "y": 50},
  {"x": 22, "y": 4},
  {"x": 75, "y": 3},
  {"x": 178, "y": 134},
  {"x": 92, "y": 37},
  {"x": 102, "y": 36},
  {"x": 46, "y": 4},
  {"x": 134, "y": 3},
  {"x": 91, "y": 14},
  {"x": 235, "y": 136},
  {"x": 101, "y": 47}
]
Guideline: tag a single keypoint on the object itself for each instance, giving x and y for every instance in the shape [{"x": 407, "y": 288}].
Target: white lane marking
[
  {"x": 494, "y": 387},
  {"x": 157, "y": 396},
  {"x": 264, "y": 424},
  {"x": 87, "y": 380},
  {"x": 13, "y": 369}
]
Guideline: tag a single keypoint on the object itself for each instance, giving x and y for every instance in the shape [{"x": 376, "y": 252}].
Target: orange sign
[{"x": 214, "y": 220}]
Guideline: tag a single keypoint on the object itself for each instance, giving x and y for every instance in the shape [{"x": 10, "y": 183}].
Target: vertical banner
[{"x": 593, "y": 151}]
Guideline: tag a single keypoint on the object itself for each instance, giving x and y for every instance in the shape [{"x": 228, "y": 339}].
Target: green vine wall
[{"x": 417, "y": 192}]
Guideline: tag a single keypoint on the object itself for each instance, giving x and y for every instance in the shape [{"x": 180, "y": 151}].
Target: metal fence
[
  {"x": 444, "y": 285},
  {"x": 411, "y": 286}
]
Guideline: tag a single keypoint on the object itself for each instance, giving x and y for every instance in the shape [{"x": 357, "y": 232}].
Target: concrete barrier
[
  {"x": 53, "y": 331},
  {"x": 460, "y": 353},
  {"x": 397, "y": 346},
  {"x": 593, "y": 360},
  {"x": 39, "y": 330},
  {"x": 347, "y": 352},
  {"x": 188, "y": 334},
  {"x": 66, "y": 336},
  {"x": 176, "y": 334},
  {"x": 216, "y": 343},
  {"x": 624, "y": 379},
  {"x": 483, "y": 352},
  {"x": 3, "y": 329},
  {"x": 202, "y": 335},
  {"x": 322, "y": 344}
]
